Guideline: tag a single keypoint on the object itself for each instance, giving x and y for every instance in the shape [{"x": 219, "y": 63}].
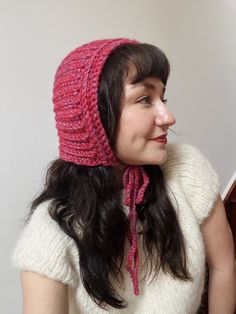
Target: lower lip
[{"x": 160, "y": 140}]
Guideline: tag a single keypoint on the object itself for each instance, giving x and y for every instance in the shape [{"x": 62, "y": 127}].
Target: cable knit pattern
[{"x": 193, "y": 187}]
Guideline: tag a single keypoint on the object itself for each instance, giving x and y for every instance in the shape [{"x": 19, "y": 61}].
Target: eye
[{"x": 144, "y": 100}]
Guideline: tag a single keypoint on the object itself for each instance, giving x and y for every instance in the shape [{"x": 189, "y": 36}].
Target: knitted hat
[{"x": 82, "y": 138}]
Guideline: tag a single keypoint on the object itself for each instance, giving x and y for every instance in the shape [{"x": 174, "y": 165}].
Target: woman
[{"x": 124, "y": 220}]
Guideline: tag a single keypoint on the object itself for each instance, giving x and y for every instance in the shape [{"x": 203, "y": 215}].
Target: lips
[
  {"x": 161, "y": 139},
  {"x": 163, "y": 136}
]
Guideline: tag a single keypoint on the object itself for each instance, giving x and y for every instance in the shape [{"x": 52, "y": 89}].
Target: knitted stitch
[
  {"x": 134, "y": 195},
  {"x": 82, "y": 138},
  {"x": 192, "y": 186}
]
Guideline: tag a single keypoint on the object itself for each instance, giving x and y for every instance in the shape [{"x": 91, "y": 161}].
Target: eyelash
[{"x": 147, "y": 98}]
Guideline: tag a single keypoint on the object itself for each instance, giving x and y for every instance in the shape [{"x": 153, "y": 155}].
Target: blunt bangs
[{"x": 147, "y": 61}]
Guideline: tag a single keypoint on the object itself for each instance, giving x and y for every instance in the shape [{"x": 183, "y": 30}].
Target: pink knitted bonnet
[{"x": 82, "y": 138}]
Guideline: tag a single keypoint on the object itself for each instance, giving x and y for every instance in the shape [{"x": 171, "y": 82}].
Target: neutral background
[{"x": 199, "y": 40}]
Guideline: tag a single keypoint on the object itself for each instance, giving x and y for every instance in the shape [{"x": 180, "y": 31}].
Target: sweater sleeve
[
  {"x": 44, "y": 248},
  {"x": 196, "y": 176}
]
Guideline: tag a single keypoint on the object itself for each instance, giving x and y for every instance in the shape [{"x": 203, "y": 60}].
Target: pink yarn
[
  {"x": 82, "y": 138},
  {"x": 135, "y": 182}
]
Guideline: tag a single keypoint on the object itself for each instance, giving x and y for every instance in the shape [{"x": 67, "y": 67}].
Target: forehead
[{"x": 149, "y": 83}]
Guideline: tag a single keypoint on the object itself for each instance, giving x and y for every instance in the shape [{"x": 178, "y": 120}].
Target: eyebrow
[{"x": 150, "y": 86}]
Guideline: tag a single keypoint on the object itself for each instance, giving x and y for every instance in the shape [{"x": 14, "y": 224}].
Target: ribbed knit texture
[
  {"x": 193, "y": 187},
  {"x": 82, "y": 138}
]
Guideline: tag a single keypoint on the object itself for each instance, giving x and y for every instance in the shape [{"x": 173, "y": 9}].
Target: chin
[
  {"x": 144, "y": 159},
  {"x": 159, "y": 160}
]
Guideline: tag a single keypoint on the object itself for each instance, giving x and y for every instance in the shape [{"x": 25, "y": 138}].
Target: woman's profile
[{"x": 126, "y": 221}]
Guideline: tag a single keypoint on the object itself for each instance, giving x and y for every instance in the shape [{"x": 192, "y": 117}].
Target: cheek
[
  {"x": 133, "y": 130},
  {"x": 130, "y": 127},
  {"x": 136, "y": 121},
  {"x": 124, "y": 132},
  {"x": 124, "y": 136},
  {"x": 127, "y": 116}
]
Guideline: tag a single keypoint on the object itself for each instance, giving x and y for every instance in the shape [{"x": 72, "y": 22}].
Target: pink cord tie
[{"x": 135, "y": 182}]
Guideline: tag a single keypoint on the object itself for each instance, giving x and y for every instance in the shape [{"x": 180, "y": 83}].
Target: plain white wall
[{"x": 197, "y": 36}]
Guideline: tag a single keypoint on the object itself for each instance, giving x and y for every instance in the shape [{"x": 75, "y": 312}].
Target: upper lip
[{"x": 161, "y": 136}]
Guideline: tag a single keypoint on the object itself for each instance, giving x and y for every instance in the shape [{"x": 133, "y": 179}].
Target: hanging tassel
[{"x": 135, "y": 181}]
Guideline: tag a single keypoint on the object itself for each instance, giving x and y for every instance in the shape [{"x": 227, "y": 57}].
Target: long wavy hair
[{"x": 91, "y": 197}]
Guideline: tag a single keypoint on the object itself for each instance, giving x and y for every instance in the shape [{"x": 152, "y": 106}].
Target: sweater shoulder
[
  {"x": 195, "y": 176},
  {"x": 44, "y": 248},
  {"x": 181, "y": 157}
]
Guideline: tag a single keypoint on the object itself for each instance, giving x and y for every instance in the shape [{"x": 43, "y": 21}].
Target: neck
[{"x": 119, "y": 172}]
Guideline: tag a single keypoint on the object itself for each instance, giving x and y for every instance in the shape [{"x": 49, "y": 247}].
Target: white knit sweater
[{"x": 193, "y": 187}]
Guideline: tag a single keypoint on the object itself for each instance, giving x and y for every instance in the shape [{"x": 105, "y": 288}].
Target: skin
[
  {"x": 42, "y": 295},
  {"x": 145, "y": 116}
]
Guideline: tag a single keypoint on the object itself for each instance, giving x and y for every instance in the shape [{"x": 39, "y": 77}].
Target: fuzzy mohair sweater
[{"x": 193, "y": 187}]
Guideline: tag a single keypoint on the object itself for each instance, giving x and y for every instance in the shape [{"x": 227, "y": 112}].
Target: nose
[{"x": 163, "y": 116}]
